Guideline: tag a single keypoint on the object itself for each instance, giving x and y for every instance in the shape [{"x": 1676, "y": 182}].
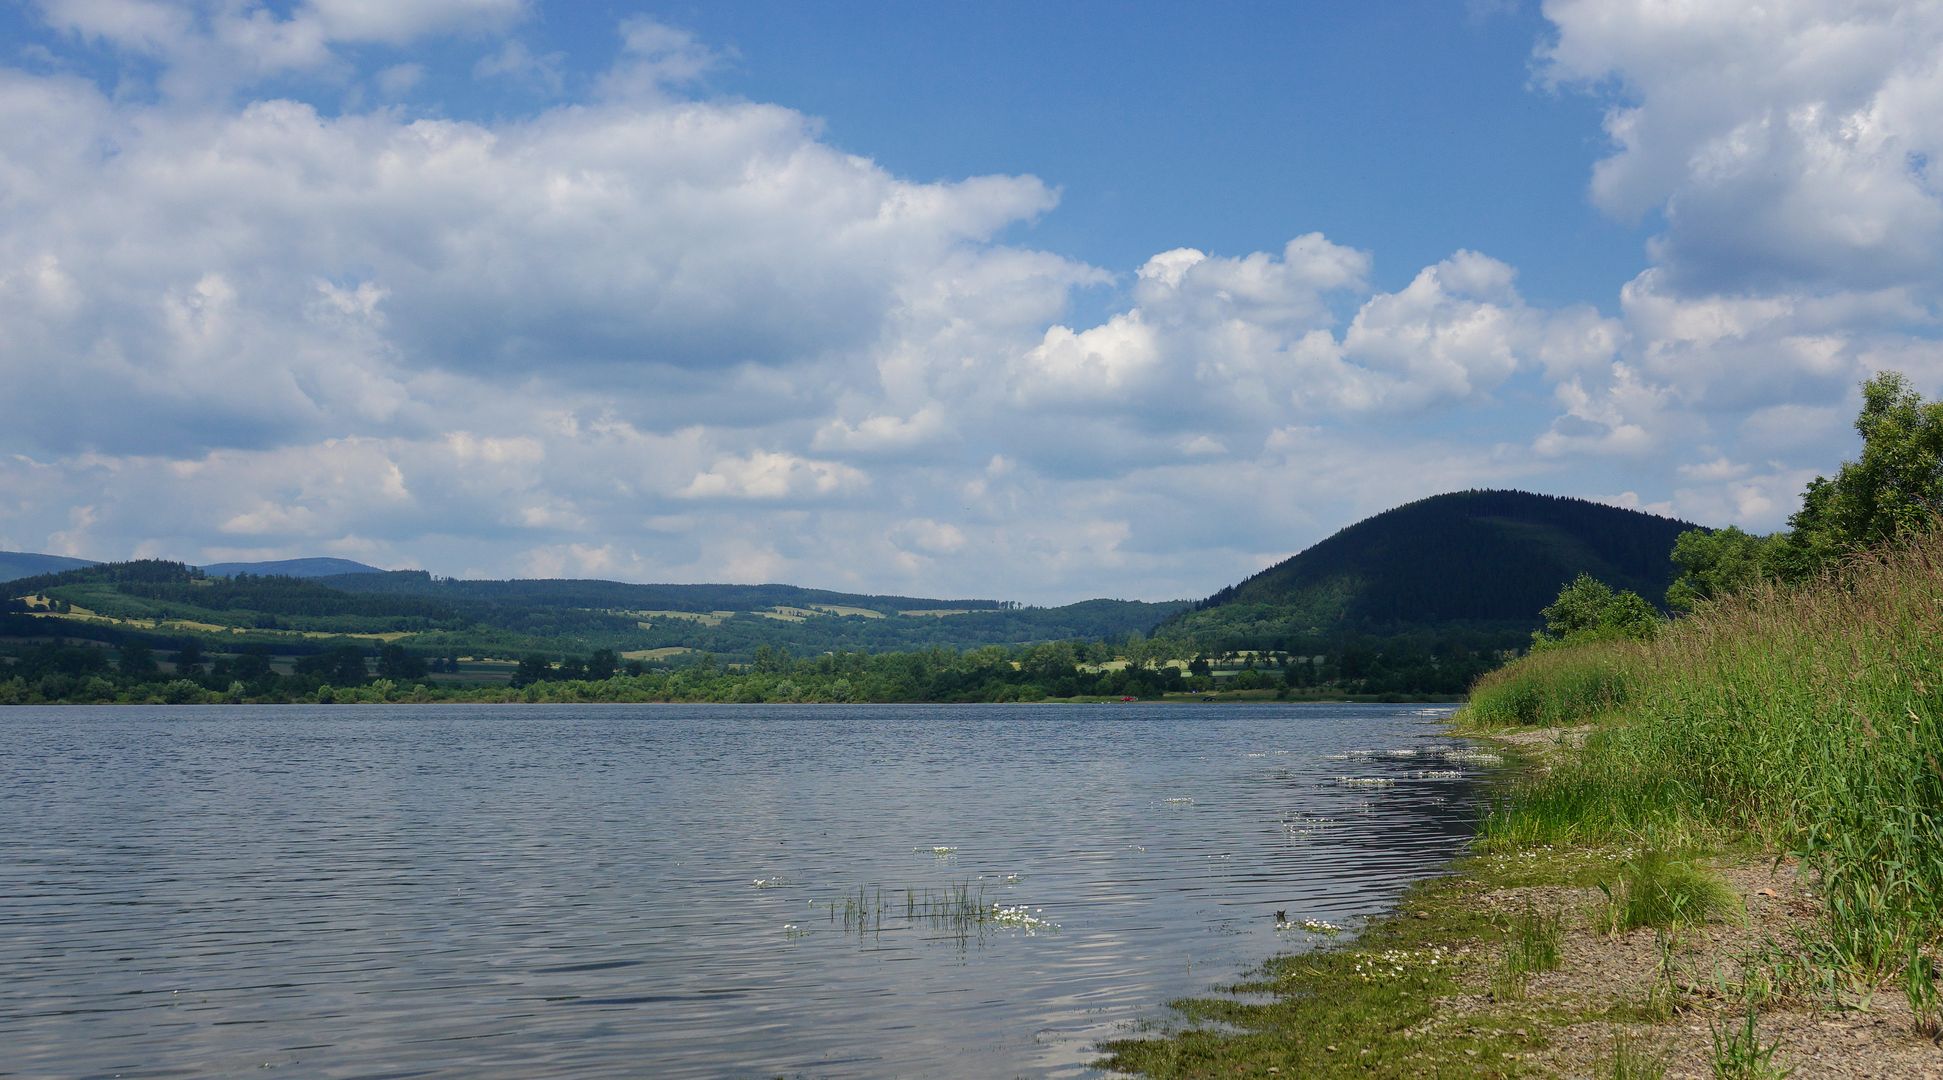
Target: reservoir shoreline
[{"x": 1445, "y": 983}]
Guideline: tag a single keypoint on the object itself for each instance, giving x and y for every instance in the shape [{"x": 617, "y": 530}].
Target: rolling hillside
[
  {"x": 161, "y": 602},
  {"x": 1481, "y": 561}
]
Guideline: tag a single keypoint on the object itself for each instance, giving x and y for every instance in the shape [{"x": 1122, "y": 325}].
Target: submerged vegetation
[{"x": 960, "y": 909}]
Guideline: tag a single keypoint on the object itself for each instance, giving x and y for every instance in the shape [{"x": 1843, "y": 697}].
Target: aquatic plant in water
[
  {"x": 958, "y": 908},
  {"x": 1021, "y": 918}
]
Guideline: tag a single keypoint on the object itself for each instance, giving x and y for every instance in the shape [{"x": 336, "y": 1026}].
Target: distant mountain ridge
[
  {"x": 296, "y": 568},
  {"x": 15, "y": 565},
  {"x": 24, "y": 564},
  {"x": 599, "y": 593},
  {"x": 1489, "y": 560}
]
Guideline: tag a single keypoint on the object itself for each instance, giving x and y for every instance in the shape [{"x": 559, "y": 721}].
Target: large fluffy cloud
[
  {"x": 268, "y": 271},
  {"x": 1785, "y": 153},
  {"x": 1788, "y": 142},
  {"x": 658, "y": 335}
]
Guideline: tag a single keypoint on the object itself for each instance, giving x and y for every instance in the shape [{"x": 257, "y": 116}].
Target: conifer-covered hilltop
[{"x": 1483, "y": 561}]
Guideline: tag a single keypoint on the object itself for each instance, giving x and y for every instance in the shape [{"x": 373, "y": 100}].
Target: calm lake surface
[{"x": 552, "y": 891}]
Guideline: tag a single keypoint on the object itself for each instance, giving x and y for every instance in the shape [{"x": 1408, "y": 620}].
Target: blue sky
[{"x": 1037, "y": 302}]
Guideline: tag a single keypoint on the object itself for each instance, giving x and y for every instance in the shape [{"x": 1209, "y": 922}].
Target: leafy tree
[
  {"x": 188, "y": 658},
  {"x": 137, "y": 660},
  {"x": 1589, "y": 610},
  {"x": 61, "y": 660},
  {"x": 1719, "y": 563},
  {"x": 252, "y": 665},
  {"x": 533, "y": 667},
  {"x": 181, "y": 692},
  {"x": 602, "y": 664},
  {"x": 1894, "y": 488},
  {"x": 342, "y": 665},
  {"x": 397, "y": 663}
]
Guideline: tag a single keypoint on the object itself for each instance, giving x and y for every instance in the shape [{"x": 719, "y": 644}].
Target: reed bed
[
  {"x": 1807, "y": 720},
  {"x": 959, "y": 908}
]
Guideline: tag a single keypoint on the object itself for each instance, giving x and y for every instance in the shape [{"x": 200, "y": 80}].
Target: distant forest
[{"x": 1416, "y": 601}]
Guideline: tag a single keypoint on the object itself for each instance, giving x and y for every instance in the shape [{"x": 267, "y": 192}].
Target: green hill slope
[
  {"x": 1485, "y": 562},
  {"x": 163, "y": 602}
]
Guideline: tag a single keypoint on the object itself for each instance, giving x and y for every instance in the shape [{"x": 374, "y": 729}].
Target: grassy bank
[
  {"x": 1806, "y": 721},
  {"x": 1737, "y": 833}
]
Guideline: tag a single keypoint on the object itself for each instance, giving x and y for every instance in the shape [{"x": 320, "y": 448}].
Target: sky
[{"x": 1035, "y": 302}]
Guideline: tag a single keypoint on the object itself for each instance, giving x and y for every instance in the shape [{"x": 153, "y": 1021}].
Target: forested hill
[
  {"x": 162, "y": 603},
  {"x": 1485, "y": 560}
]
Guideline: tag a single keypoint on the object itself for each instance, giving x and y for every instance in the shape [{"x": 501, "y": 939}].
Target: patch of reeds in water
[
  {"x": 960, "y": 909},
  {"x": 1808, "y": 720}
]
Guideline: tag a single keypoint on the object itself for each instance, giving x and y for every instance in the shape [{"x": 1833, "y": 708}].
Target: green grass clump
[
  {"x": 1631, "y": 1061},
  {"x": 1666, "y": 893},
  {"x": 1739, "y": 1053},
  {"x": 1532, "y": 944},
  {"x": 1554, "y": 688},
  {"x": 1535, "y": 940}
]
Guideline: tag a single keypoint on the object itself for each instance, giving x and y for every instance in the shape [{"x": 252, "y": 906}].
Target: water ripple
[{"x": 439, "y": 891}]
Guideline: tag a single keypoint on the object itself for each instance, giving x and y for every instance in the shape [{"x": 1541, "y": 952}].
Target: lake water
[{"x": 574, "y": 891}]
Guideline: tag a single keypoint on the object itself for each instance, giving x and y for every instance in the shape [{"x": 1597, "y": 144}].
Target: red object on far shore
[{"x": 1128, "y": 698}]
